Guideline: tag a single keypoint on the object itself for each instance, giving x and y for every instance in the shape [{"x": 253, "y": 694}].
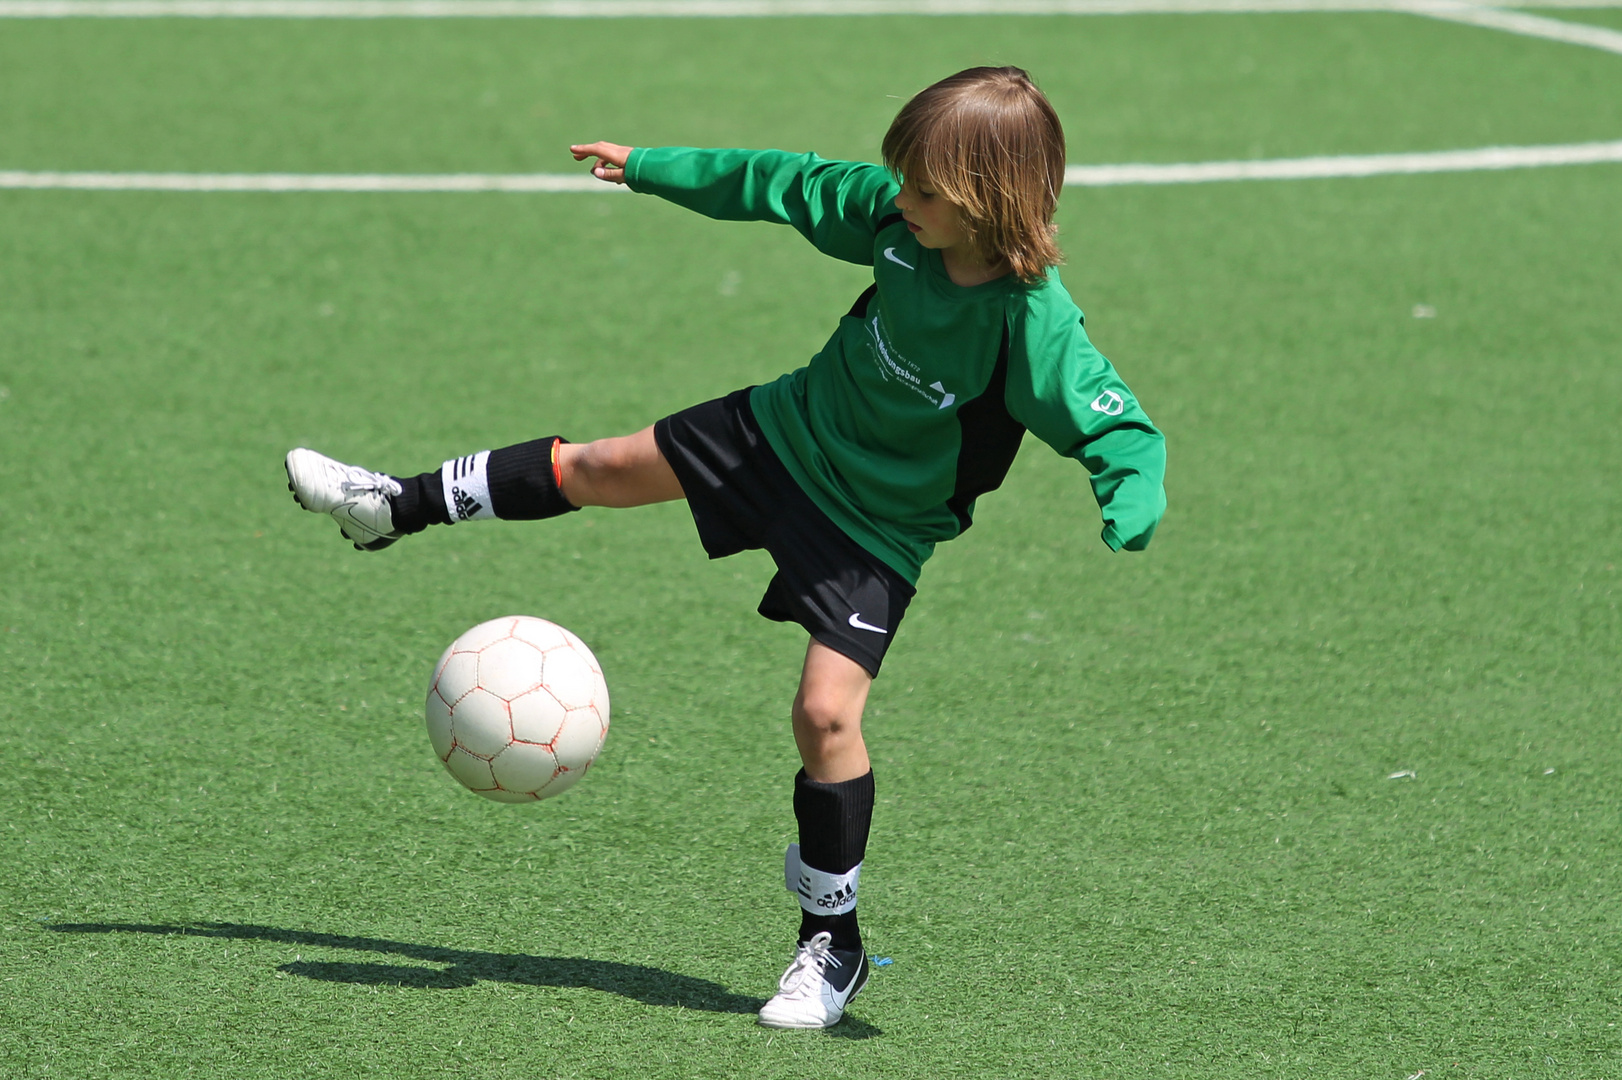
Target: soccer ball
[{"x": 517, "y": 709}]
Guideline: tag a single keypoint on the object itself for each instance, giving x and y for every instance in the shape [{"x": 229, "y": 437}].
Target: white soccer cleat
[
  {"x": 815, "y": 989},
  {"x": 357, "y": 498}
]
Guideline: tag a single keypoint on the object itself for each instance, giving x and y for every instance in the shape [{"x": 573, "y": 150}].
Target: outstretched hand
[{"x": 611, "y": 158}]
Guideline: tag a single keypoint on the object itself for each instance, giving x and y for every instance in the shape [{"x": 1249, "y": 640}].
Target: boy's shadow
[{"x": 649, "y": 985}]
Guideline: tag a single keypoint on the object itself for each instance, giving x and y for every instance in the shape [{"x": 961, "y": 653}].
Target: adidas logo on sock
[
  {"x": 466, "y": 484},
  {"x": 835, "y": 900},
  {"x": 466, "y": 505},
  {"x": 820, "y": 892}
]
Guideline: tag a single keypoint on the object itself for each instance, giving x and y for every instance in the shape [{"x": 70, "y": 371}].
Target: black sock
[
  {"x": 521, "y": 481},
  {"x": 524, "y": 481},
  {"x": 421, "y": 503},
  {"x": 834, "y": 820}
]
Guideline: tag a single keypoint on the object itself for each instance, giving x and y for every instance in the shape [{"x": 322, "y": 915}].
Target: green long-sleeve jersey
[{"x": 917, "y": 403}]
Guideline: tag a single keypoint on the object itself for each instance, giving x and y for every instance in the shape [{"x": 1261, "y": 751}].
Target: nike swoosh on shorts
[{"x": 856, "y": 621}]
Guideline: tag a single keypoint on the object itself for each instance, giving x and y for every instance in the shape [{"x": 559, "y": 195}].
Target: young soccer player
[{"x": 852, "y": 468}]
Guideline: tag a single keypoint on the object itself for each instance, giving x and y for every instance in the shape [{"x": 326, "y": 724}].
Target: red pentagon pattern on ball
[{"x": 517, "y": 709}]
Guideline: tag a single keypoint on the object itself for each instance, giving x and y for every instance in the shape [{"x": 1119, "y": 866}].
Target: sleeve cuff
[
  {"x": 1137, "y": 542},
  {"x": 633, "y": 168}
]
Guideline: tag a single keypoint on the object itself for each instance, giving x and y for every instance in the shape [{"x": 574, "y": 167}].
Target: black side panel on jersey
[
  {"x": 990, "y": 440},
  {"x": 858, "y": 310}
]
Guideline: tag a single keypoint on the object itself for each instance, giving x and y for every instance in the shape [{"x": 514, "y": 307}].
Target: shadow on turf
[{"x": 649, "y": 985}]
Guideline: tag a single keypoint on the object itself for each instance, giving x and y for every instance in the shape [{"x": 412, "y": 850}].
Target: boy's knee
[
  {"x": 591, "y": 472},
  {"x": 602, "y": 458},
  {"x": 625, "y": 471},
  {"x": 825, "y": 715}
]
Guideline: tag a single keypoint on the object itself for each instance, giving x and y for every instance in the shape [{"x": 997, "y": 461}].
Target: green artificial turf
[
  {"x": 1146, "y": 815},
  {"x": 494, "y": 95}
]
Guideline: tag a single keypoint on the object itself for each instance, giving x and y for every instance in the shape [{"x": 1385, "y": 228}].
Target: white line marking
[
  {"x": 600, "y": 9},
  {"x": 1315, "y": 168},
  {"x": 1312, "y": 168},
  {"x": 1516, "y": 22},
  {"x": 527, "y": 183}
]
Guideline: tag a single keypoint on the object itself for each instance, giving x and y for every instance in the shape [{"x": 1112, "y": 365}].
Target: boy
[{"x": 850, "y": 469}]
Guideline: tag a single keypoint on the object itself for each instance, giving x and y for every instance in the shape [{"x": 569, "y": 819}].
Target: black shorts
[{"x": 743, "y": 498}]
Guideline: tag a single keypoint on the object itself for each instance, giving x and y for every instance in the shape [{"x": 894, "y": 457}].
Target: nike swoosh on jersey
[
  {"x": 889, "y": 253},
  {"x": 856, "y": 621}
]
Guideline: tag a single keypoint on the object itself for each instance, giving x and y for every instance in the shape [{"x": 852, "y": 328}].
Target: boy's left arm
[{"x": 1071, "y": 398}]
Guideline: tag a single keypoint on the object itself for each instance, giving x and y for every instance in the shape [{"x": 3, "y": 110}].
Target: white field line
[
  {"x": 1313, "y": 168},
  {"x": 519, "y": 183},
  {"x": 1518, "y": 22},
  {"x": 1318, "y": 168},
  {"x": 453, "y": 9}
]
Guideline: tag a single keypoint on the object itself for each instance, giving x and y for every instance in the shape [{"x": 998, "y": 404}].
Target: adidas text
[{"x": 466, "y": 505}]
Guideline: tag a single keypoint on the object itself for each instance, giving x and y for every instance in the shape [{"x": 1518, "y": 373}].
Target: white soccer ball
[{"x": 517, "y": 709}]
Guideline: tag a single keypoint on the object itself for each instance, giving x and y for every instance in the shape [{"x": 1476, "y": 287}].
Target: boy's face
[{"x": 934, "y": 221}]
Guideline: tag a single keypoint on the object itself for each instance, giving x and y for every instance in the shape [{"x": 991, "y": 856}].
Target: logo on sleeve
[
  {"x": 889, "y": 253},
  {"x": 1109, "y": 403}
]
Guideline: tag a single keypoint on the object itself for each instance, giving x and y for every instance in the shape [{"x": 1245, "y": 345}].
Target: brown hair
[{"x": 988, "y": 141}]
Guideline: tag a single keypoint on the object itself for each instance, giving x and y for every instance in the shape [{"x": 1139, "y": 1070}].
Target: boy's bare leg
[
  {"x": 620, "y": 472},
  {"x": 828, "y": 715},
  {"x": 526, "y": 482},
  {"x": 833, "y": 807}
]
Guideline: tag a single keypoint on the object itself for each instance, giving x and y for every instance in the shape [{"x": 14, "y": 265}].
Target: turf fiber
[{"x": 1322, "y": 784}]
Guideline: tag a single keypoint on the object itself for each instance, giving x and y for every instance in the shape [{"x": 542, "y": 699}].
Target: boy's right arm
[{"x": 834, "y": 204}]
